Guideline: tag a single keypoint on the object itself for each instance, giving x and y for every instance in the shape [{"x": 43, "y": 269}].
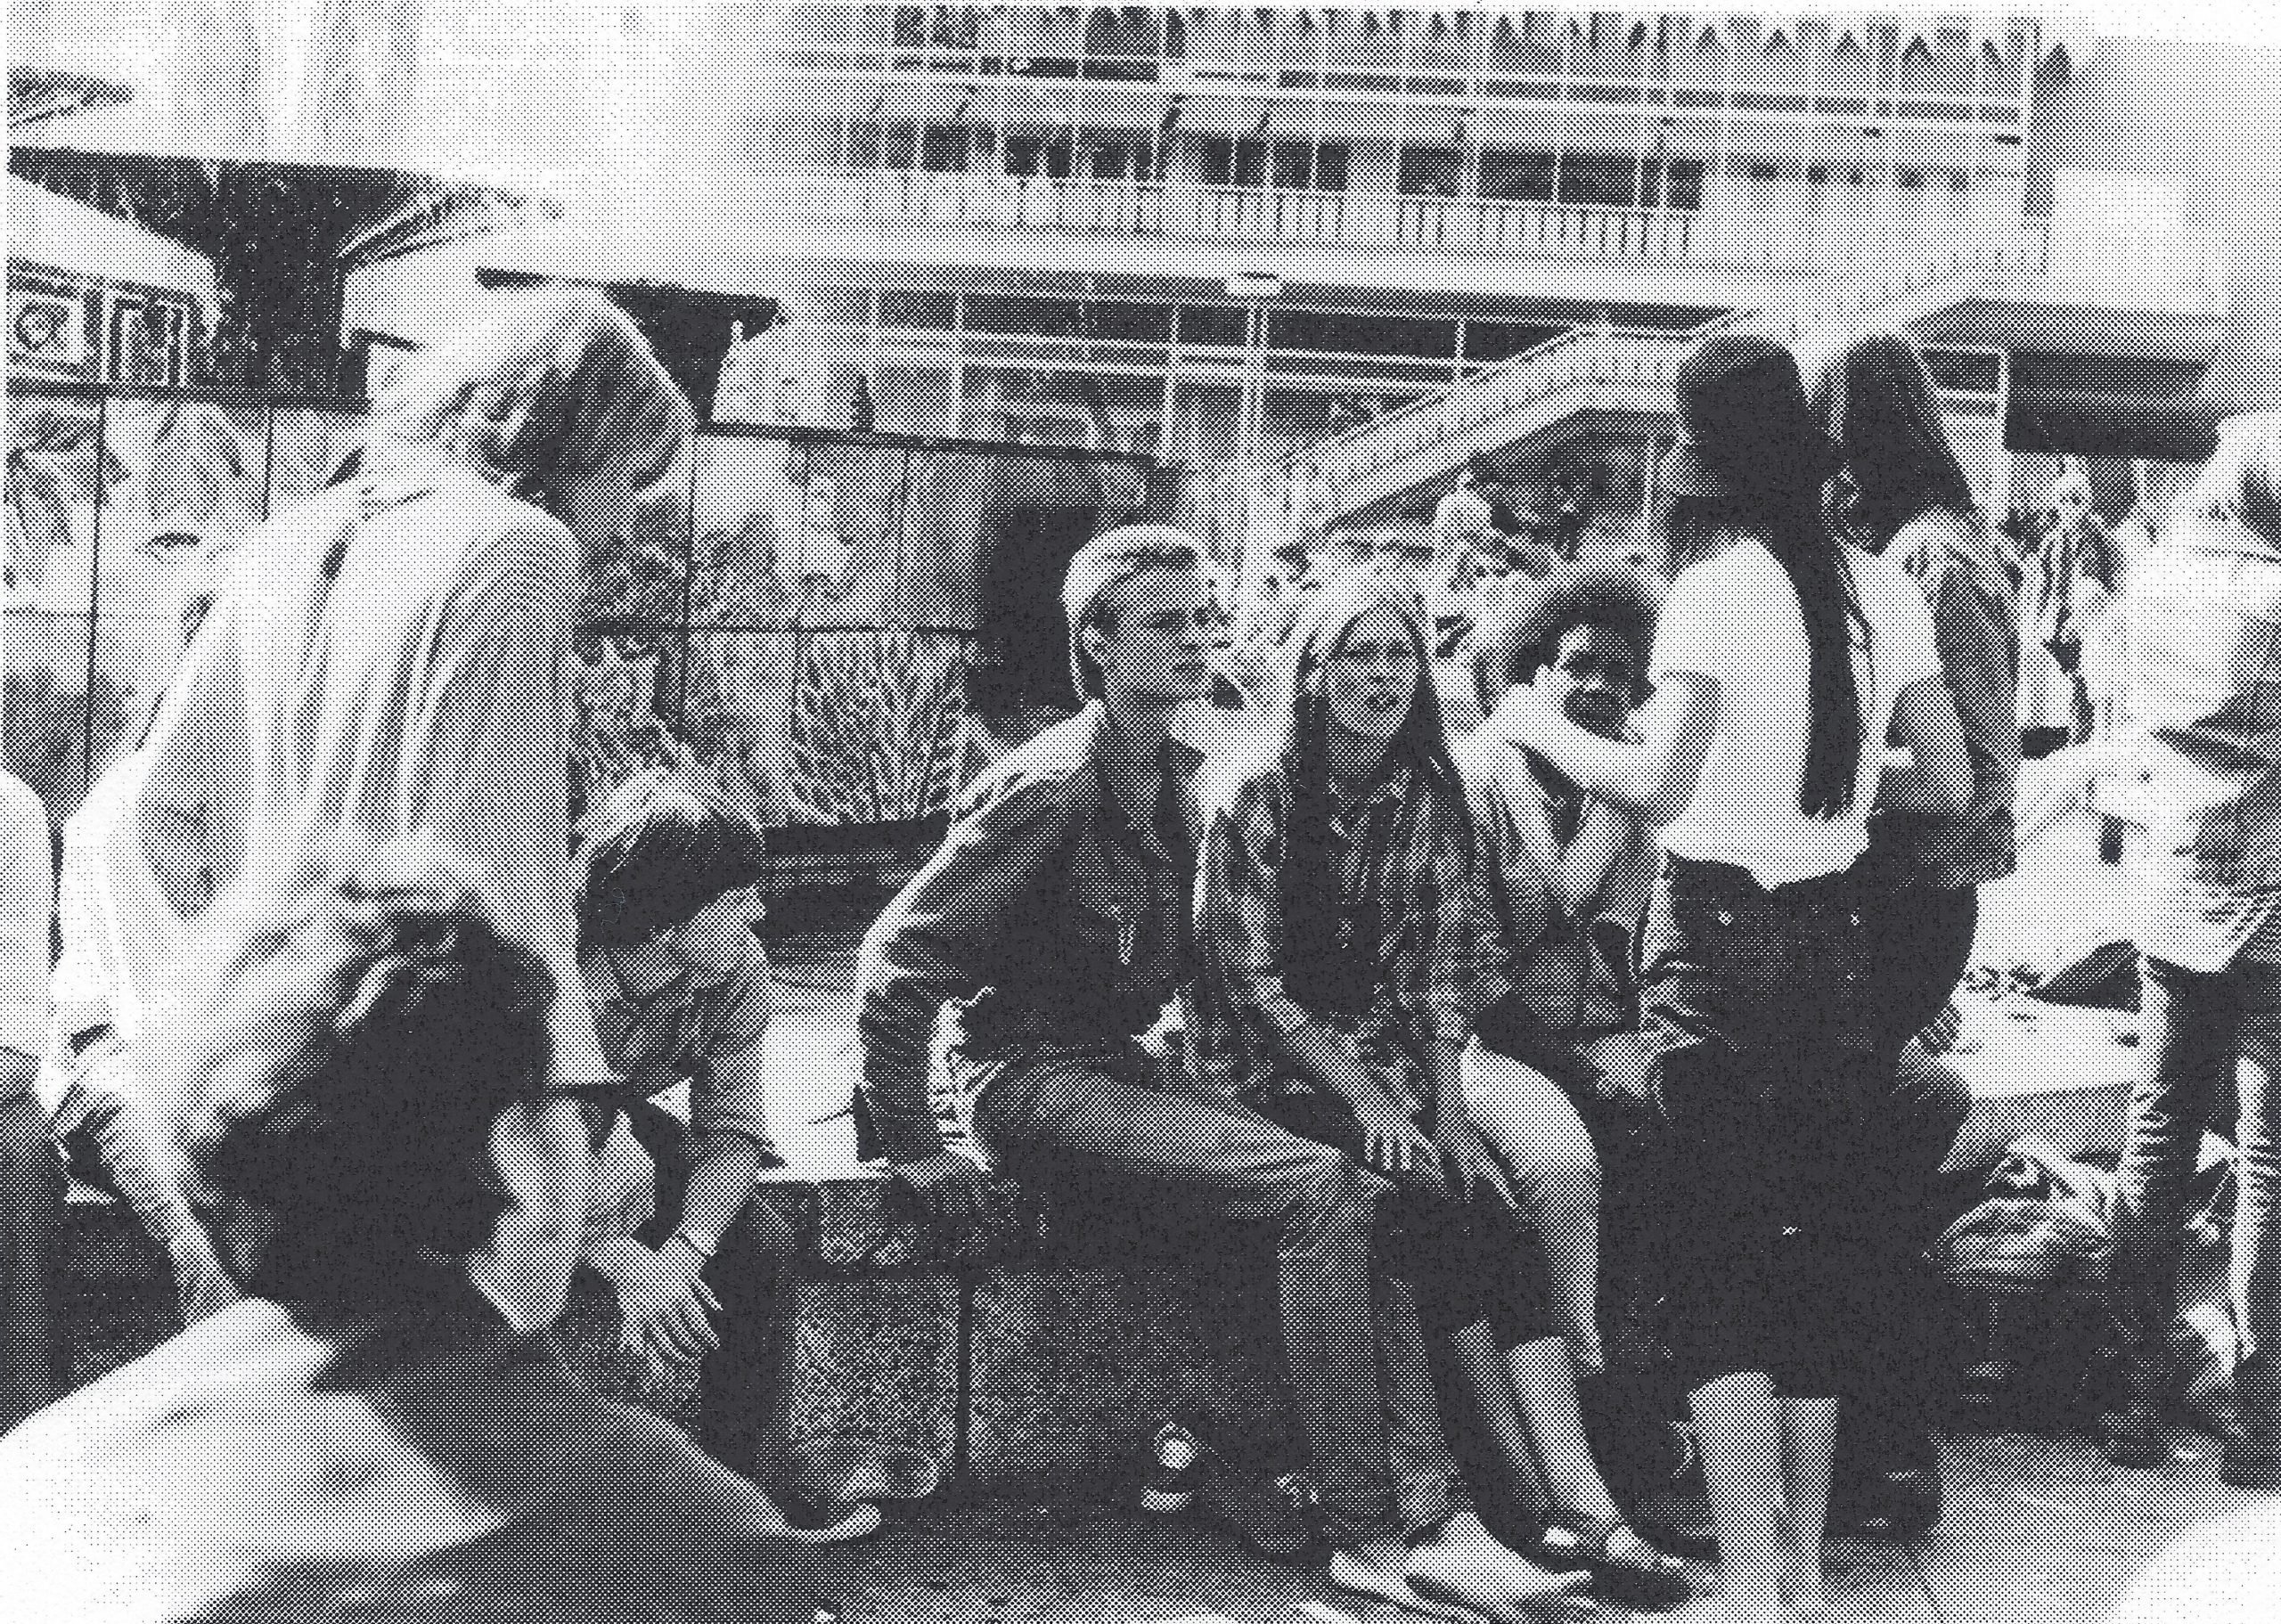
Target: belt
[{"x": 1842, "y": 885}]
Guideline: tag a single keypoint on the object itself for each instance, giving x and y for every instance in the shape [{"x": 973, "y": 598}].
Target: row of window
[{"x": 1607, "y": 179}]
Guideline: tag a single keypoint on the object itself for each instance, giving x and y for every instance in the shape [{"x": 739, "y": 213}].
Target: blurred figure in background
[{"x": 30, "y": 1195}]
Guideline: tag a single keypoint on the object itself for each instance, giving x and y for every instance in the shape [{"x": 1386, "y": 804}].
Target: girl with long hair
[
  {"x": 1899, "y": 492},
  {"x": 1347, "y": 954},
  {"x": 1781, "y": 661}
]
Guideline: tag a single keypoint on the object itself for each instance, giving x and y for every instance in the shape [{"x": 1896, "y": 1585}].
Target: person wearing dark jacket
[{"x": 1057, "y": 912}]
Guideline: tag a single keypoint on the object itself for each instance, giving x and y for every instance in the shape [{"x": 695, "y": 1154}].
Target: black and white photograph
[{"x": 833, "y": 814}]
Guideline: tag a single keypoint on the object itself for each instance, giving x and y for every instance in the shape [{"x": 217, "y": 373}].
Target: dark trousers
[
  {"x": 1758, "y": 1005},
  {"x": 1920, "y": 946},
  {"x": 743, "y": 1392},
  {"x": 1133, "y": 1153}
]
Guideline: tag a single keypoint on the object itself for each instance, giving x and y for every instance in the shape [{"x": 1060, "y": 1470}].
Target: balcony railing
[{"x": 1808, "y": 240}]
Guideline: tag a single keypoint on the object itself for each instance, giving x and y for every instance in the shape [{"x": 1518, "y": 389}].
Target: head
[
  {"x": 1750, "y": 459},
  {"x": 362, "y": 1095},
  {"x": 1876, "y": 404},
  {"x": 556, "y": 396},
  {"x": 2241, "y": 483},
  {"x": 1140, "y": 610},
  {"x": 668, "y": 863},
  {"x": 1583, "y": 636},
  {"x": 1362, "y": 668}
]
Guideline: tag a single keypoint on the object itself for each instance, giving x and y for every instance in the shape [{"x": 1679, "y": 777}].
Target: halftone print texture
[{"x": 1507, "y": 1135}]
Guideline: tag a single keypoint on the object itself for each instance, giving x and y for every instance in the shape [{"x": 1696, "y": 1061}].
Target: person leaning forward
[{"x": 1057, "y": 910}]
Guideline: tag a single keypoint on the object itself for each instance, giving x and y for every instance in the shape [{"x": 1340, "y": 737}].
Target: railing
[
  {"x": 1796, "y": 241},
  {"x": 1611, "y": 356}
]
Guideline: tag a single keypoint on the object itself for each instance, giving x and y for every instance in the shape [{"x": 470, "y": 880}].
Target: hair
[
  {"x": 547, "y": 387},
  {"x": 1522, "y": 641},
  {"x": 1875, "y": 402},
  {"x": 358, "y": 1037},
  {"x": 660, "y": 850},
  {"x": 1111, "y": 557},
  {"x": 2241, "y": 483},
  {"x": 1308, "y": 882},
  {"x": 1743, "y": 403}
]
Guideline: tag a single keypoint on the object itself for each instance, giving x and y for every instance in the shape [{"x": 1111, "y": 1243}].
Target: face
[
  {"x": 1371, "y": 678},
  {"x": 545, "y": 1158},
  {"x": 1592, "y": 674},
  {"x": 629, "y": 516},
  {"x": 1153, "y": 632}
]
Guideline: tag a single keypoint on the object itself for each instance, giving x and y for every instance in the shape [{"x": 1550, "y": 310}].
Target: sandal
[{"x": 1625, "y": 1569}]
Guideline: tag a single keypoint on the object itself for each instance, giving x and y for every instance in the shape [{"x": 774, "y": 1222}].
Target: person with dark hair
[
  {"x": 1570, "y": 882},
  {"x": 1899, "y": 490},
  {"x": 1058, "y": 913},
  {"x": 388, "y": 1167},
  {"x": 1347, "y": 953},
  {"x": 668, "y": 942},
  {"x": 1781, "y": 662},
  {"x": 395, "y": 654}
]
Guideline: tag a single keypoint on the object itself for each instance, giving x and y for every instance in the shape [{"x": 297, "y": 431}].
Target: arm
[
  {"x": 1655, "y": 775},
  {"x": 1240, "y": 925},
  {"x": 189, "y": 820},
  {"x": 1932, "y": 774},
  {"x": 1975, "y": 628},
  {"x": 488, "y": 747},
  {"x": 937, "y": 941}
]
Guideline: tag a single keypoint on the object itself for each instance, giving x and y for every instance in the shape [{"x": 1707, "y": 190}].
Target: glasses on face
[
  {"x": 1363, "y": 653},
  {"x": 600, "y": 1105},
  {"x": 1172, "y": 622}
]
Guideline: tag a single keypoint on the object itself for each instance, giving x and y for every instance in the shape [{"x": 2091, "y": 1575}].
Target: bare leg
[
  {"x": 1739, "y": 1423},
  {"x": 1492, "y": 1384},
  {"x": 1547, "y": 1155},
  {"x": 1544, "y": 1379},
  {"x": 1809, "y": 1444}
]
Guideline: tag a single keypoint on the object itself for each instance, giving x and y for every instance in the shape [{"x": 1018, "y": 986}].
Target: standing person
[
  {"x": 669, "y": 945},
  {"x": 2203, "y": 619},
  {"x": 30, "y": 1195},
  {"x": 1782, "y": 660},
  {"x": 120, "y": 940},
  {"x": 1348, "y": 950},
  {"x": 396, "y": 653},
  {"x": 1899, "y": 492},
  {"x": 2078, "y": 571},
  {"x": 395, "y": 1177},
  {"x": 1060, "y": 912}
]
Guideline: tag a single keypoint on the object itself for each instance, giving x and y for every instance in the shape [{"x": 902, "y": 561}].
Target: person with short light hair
[{"x": 396, "y": 653}]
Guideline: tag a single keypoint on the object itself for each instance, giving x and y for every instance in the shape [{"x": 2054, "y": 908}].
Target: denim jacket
[
  {"x": 2203, "y": 617},
  {"x": 1057, "y": 923}
]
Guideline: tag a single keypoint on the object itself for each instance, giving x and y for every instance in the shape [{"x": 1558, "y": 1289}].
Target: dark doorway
[{"x": 1019, "y": 623}]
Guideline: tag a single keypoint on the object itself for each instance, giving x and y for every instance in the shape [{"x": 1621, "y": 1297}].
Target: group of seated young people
[{"x": 398, "y": 1030}]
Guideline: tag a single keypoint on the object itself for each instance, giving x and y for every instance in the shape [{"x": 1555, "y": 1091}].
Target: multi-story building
[{"x": 1224, "y": 234}]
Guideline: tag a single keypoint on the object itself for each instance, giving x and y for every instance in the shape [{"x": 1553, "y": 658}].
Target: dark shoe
[
  {"x": 1626, "y": 1571},
  {"x": 2252, "y": 1460}
]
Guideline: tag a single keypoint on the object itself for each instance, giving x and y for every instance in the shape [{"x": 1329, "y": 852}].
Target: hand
[
  {"x": 665, "y": 1304},
  {"x": 946, "y": 1190},
  {"x": 1527, "y": 717},
  {"x": 1942, "y": 1031},
  {"x": 2060, "y": 785},
  {"x": 1469, "y": 1166},
  {"x": 1393, "y": 1146}
]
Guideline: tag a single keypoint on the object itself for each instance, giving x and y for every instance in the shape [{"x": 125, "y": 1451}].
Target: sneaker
[
  {"x": 1897, "y": 1504},
  {"x": 1175, "y": 1470},
  {"x": 1278, "y": 1516}
]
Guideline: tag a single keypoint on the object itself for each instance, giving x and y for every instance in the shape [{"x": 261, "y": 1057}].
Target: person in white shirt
[
  {"x": 28, "y": 1194},
  {"x": 1782, "y": 661},
  {"x": 120, "y": 939}
]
